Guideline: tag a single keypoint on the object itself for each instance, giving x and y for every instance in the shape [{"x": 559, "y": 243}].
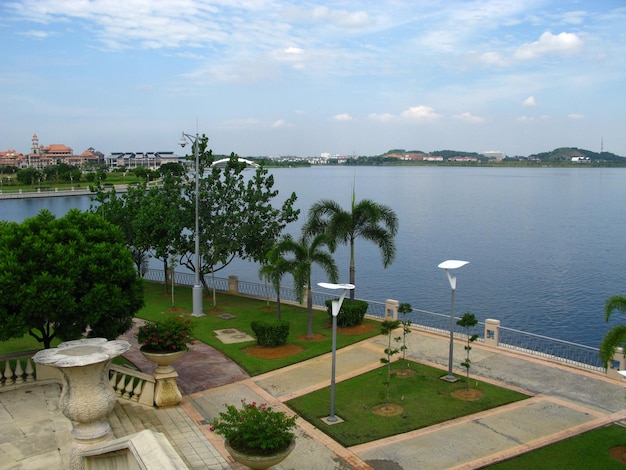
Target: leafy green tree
[
  {"x": 300, "y": 256},
  {"x": 60, "y": 276},
  {"x": 273, "y": 269},
  {"x": 404, "y": 308},
  {"x": 386, "y": 328},
  {"x": 125, "y": 211},
  {"x": 377, "y": 223},
  {"x": 236, "y": 215},
  {"x": 28, "y": 176},
  {"x": 616, "y": 336},
  {"x": 468, "y": 321}
]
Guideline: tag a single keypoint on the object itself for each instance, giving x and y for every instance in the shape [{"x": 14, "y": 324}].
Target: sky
[{"x": 301, "y": 78}]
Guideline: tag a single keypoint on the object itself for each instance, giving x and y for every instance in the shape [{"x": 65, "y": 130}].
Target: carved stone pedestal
[{"x": 86, "y": 397}]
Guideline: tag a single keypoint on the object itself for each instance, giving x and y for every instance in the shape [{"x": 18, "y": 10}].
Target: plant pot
[
  {"x": 260, "y": 462},
  {"x": 163, "y": 360}
]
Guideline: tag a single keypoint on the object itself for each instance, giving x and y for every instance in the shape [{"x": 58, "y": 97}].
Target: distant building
[
  {"x": 41, "y": 156},
  {"x": 581, "y": 159},
  {"x": 494, "y": 155},
  {"x": 131, "y": 160},
  {"x": 11, "y": 158}
]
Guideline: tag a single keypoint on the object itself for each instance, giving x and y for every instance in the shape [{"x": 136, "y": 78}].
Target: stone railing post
[
  {"x": 492, "y": 332},
  {"x": 391, "y": 309},
  {"x": 618, "y": 363},
  {"x": 233, "y": 285}
]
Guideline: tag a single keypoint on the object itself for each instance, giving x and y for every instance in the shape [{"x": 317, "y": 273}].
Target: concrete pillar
[
  {"x": 233, "y": 285},
  {"x": 391, "y": 309},
  {"x": 492, "y": 332},
  {"x": 618, "y": 363}
]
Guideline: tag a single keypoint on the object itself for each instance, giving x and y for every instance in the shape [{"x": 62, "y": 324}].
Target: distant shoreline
[{"x": 20, "y": 194}]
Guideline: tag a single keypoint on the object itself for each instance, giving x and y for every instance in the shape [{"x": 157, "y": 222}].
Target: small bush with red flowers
[
  {"x": 169, "y": 335},
  {"x": 255, "y": 429}
]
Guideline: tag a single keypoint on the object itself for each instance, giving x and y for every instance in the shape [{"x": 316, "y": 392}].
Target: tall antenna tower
[{"x": 601, "y": 145}]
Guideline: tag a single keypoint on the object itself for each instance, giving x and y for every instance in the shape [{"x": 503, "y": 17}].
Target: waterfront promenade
[
  {"x": 54, "y": 192},
  {"x": 565, "y": 402}
]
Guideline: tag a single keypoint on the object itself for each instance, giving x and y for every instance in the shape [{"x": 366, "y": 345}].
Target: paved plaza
[{"x": 565, "y": 402}]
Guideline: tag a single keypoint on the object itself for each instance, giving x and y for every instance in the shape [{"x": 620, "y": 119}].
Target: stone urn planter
[
  {"x": 164, "y": 343},
  {"x": 163, "y": 360},
  {"x": 259, "y": 462},
  {"x": 87, "y": 396}
]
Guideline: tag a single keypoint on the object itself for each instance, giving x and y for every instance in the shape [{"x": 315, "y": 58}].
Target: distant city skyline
[{"x": 273, "y": 77}]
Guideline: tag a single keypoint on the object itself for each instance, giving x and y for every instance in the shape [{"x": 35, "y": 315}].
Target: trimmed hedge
[
  {"x": 270, "y": 333},
  {"x": 350, "y": 314}
]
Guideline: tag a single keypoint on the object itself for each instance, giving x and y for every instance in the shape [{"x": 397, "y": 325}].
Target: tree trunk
[{"x": 309, "y": 307}]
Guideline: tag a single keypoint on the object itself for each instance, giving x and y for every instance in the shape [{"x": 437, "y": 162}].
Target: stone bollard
[
  {"x": 233, "y": 285},
  {"x": 492, "y": 332},
  {"x": 618, "y": 363},
  {"x": 391, "y": 309}
]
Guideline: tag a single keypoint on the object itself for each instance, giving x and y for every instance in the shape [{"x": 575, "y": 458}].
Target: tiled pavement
[{"x": 566, "y": 402}]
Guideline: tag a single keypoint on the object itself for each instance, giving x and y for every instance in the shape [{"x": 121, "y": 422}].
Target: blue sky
[{"x": 274, "y": 77}]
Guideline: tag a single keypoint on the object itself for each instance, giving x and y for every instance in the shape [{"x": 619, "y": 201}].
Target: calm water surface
[{"x": 544, "y": 244}]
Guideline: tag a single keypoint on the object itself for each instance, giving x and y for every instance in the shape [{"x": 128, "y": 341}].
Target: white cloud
[
  {"x": 36, "y": 34},
  {"x": 420, "y": 113},
  {"x": 279, "y": 123},
  {"x": 529, "y": 102},
  {"x": 469, "y": 118},
  {"x": 342, "y": 18},
  {"x": 342, "y": 117},
  {"x": 385, "y": 117},
  {"x": 548, "y": 43},
  {"x": 576, "y": 116}
]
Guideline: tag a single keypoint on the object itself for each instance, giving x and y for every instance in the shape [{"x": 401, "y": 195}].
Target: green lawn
[
  {"x": 586, "y": 451},
  {"x": 423, "y": 396},
  {"x": 158, "y": 304}
]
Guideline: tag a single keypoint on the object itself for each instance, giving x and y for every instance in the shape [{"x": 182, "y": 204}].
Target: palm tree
[
  {"x": 367, "y": 219},
  {"x": 273, "y": 269},
  {"x": 616, "y": 336},
  {"x": 303, "y": 254}
]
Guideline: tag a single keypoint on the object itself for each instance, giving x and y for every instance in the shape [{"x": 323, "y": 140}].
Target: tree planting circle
[{"x": 387, "y": 409}]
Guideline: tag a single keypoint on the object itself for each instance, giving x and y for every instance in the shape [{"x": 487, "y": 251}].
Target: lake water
[{"x": 544, "y": 245}]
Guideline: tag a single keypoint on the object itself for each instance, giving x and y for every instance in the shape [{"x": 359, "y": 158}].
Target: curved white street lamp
[
  {"x": 197, "y": 310},
  {"x": 336, "y": 306},
  {"x": 449, "y": 265}
]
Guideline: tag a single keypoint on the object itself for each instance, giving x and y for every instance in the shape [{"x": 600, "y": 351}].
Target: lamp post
[
  {"x": 336, "y": 306},
  {"x": 197, "y": 287},
  {"x": 448, "y": 266}
]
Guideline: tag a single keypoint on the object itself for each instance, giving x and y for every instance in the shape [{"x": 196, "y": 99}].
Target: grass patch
[
  {"x": 425, "y": 400},
  {"x": 158, "y": 305},
  {"x": 586, "y": 451}
]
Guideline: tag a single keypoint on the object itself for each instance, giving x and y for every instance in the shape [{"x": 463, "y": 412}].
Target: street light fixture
[
  {"x": 448, "y": 266},
  {"x": 197, "y": 310},
  {"x": 336, "y": 306}
]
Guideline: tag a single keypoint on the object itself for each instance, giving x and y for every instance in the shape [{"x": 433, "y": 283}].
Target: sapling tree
[
  {"x": 405, "y": 308},
  {"x": 468, "y": 321},
  {"x": 387, "y": 327}
]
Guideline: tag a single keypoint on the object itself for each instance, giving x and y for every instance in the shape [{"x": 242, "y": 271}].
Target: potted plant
[
  {"x": 166, "y": 341},
  {"x": 256, "y": 435}
]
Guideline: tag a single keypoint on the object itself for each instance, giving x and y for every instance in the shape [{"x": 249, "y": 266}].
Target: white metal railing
[{"x": 553, "y": 349}]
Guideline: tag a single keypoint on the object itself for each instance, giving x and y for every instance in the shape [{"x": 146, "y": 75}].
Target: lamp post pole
[
  {"x": 448, "y": 266},
  {"x": 197, "y": 310},
  {"x": 336, "y": 306}
]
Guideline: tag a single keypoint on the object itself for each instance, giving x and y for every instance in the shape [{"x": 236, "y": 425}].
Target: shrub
[
  {"x": 169, "y": 335},
  {"x": 255, "y": 429},
  {"x": 350, "y": 314},
  {"x": 270, "y": 333}
]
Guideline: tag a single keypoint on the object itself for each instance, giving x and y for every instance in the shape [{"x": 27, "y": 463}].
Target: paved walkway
[{"x": 565, "y": 402}]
